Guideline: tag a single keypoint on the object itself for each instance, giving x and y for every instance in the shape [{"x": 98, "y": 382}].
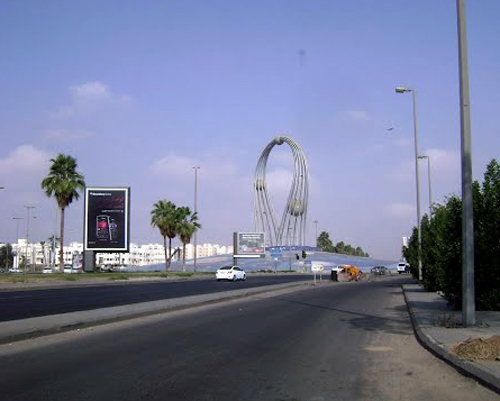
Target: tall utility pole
[
  {"x": 316, "y": 224},
  {"x": 403, "y": 89},
  {"x": 468, "y": 293},
  {"x": 28, "y": 208},
  {"x": 196, "y": 168},
  {"x": 16, "y": 219}
]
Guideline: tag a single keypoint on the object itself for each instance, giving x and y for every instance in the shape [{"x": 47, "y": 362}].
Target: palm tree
[
  {"x": 44, "y": 259},
  {"x": 164, "y": 217},
  {"x": 63, "y": 183},
  {"x": 186, "y": 228},
  {"x": 53, "y": 241}
]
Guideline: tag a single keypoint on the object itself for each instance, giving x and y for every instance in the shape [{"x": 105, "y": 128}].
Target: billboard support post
[{"x": 89, "y": 261}]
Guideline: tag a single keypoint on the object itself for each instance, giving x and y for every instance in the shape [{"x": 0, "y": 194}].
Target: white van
[{"x": 403, "y": 267}]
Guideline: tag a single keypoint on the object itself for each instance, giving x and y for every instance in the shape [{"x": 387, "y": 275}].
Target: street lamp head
[{"x": 402, "y": 89}]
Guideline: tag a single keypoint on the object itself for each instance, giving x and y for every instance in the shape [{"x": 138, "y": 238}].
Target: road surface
[
  {"x": 343, "y": 341},
  {"x": 42, "y": 302}
]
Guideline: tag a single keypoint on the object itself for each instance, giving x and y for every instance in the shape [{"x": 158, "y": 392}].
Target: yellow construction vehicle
[{"x": 350, "y": 272}]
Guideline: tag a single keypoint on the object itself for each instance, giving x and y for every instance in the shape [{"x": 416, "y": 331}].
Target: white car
[
  {"x": 230, "y": 273},
  {"x": 67, "y": 268},
  {"x": 15, "y": 270},
  {"x": 77, "y": 269},
  {"x": 338, "y": 268},
  {"x": 47, "y": 269},
  {"x": 403, "y": 267}
]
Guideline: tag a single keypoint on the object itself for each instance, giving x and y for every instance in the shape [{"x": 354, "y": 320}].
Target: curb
[{"x": 467, "y": 368}]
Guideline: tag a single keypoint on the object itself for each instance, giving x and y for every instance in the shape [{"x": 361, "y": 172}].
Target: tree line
[
  {"x": 325, "y": 244},
  {"x": 442, "y": 244},
  {"x": 64, "y": 183},
  {"x": 174, "y": 221}
]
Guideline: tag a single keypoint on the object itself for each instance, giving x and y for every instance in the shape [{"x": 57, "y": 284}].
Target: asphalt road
[
  {"x": 42, "y": 302},
  {"x": 350, "y": 341}
]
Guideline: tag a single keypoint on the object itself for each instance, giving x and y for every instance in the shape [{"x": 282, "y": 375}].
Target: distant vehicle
[
  {"x": 379, "y": 270},
  {"x": 230, "y": 273},
  {"x": 67, "y": 268},
  {"x": 353, "y": 272},
  {"x": 109, "y": 268},
  {"x": 350, "y": 269},
  {"x": 403, "y": 267},
  {"x": 47, "y": 270},
  {"x": 15, "y": 270},
  {"x": 76, "y": 269},
  {"x": 338, "y": 268}
]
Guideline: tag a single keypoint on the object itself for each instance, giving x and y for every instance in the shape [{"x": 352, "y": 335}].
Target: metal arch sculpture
[{"x": 295, "y": 213}]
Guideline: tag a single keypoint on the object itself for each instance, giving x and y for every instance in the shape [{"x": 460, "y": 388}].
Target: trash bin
[{"x": 335, "y": 276}]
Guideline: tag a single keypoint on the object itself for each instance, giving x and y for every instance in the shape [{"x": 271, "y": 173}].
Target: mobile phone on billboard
[
  {"x": 102, "y": 227},
  {"x": 113, "y": 230}
]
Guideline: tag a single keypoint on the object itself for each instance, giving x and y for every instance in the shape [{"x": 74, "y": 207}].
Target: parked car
[
  {"x": 109, "y": 268},
  {"x": 67, "y": 268},
  {"x": 47, "y": 270},
  {"x": 77, "y": 269},
  {"x": 338, "y": 268},
  {"x": 15, "y": 270},
  {"x": 230, "y": 273},
  {"x": 403, "y": 267},
  {"x": 379, "y": 270}
]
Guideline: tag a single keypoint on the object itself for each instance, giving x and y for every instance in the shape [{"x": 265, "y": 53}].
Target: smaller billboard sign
[
  {"x": 107, "y": 219},
  {"x": 249, "y": 245}
]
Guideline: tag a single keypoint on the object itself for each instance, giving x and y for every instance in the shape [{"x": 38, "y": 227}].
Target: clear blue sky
[{"x": 139, "y": 92}]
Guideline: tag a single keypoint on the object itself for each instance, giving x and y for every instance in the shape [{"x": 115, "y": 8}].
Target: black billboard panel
[
  {"x": 249, "y": 245},
  {"x": 106, "y": 219}
]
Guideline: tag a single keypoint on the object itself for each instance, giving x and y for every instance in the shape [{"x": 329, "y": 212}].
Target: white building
[{"x": 139, "y": 255}]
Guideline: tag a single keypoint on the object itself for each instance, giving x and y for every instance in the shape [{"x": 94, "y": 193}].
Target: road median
[{"x": 17, "y": 330}]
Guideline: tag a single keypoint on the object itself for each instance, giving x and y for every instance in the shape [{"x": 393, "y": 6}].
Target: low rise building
[{"x": 42, "y": 254}]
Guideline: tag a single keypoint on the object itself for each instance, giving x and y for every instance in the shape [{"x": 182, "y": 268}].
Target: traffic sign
[{"x": 317, "y": 267}]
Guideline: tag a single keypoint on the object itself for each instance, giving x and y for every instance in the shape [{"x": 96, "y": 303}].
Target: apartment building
[{"x": 139, "y": 255}]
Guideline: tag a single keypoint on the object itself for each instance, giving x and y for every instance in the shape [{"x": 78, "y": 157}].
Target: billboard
[
  {"x": 249, "y": 245},
  {"x": 106, "y": 219}
]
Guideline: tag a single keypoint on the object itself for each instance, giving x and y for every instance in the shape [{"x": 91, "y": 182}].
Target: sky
[{"x": 140, "y": 92}]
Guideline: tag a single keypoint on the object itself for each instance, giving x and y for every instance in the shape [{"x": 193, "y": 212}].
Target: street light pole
[
  {"x": 429, "y": 180},
  {"x": 196, "y": 168},
  {"x": 402, "y": 89},
  {"x": 33, "y": 257},
  {"x": 17, "y": 239},
  {"x": 468, "y": 291},
  {"x": 28, "y": 208}
]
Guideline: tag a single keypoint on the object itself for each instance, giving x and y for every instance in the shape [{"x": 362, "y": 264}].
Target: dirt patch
[{"x": 484, "y": 349}]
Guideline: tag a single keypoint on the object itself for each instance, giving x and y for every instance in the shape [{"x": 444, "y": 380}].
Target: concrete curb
[
  {"x": 17, "y": 330},
  {"x": 478, "y": 371}
]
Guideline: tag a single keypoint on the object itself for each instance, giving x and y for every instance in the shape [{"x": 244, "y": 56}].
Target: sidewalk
[{"x": 435, "y": 327}]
